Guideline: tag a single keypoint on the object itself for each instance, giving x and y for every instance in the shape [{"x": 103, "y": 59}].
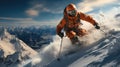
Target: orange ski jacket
[{"x": 72, "y": 22}]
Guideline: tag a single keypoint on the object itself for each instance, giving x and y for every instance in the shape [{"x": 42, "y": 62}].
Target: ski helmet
[{"x": 71, "y": 10}]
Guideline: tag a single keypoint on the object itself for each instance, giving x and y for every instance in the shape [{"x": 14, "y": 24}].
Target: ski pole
[
  {"x": 103, "y": 31},
  {"x": 60, "y": 49}
]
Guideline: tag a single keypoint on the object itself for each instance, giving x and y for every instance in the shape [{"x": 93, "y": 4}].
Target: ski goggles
[{"x": 71, "y": 13}]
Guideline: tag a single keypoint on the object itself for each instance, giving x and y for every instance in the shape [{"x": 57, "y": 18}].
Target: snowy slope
[
  {"x": 104, "y": 53},
  {"x": 12, "y": 49}
]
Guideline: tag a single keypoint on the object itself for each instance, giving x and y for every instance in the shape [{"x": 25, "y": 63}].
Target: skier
[{"x": 71, "y": 23}]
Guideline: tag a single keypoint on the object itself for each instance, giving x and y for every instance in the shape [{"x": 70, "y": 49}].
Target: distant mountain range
[{"x": 35, "y": 37}]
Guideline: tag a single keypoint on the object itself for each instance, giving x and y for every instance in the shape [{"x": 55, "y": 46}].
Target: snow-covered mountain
[{"x": 13, "y": 50}]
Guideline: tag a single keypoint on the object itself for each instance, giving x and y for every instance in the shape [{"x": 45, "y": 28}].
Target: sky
[{"x": 46, "y": 12}]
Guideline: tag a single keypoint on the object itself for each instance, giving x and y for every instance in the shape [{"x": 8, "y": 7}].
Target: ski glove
[
  {"x": 97, "y": 26},
  {"x": 61, "y": 34}
]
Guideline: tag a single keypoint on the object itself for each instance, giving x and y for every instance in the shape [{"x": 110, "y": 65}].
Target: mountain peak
[
  {"x": 4, "y": 33},
  {"x": 12, "y": 48}
]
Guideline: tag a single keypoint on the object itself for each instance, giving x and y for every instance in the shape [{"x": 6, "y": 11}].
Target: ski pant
[{"x": 79, "y": 32}]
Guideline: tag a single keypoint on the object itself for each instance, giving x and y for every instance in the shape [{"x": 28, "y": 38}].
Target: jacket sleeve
[
  {"x": 60, "y": 26},
  {"x": 87, "y": 18}
]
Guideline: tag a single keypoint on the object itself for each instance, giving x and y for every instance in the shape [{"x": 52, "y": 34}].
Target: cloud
[
  {"x": 37, "y": 8},
  {"x": 54, "y": 11},
  {"x": 16, "y": 19},
  {"x": 89, "y": 5},
  {"x": 32, "y": 12}
]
